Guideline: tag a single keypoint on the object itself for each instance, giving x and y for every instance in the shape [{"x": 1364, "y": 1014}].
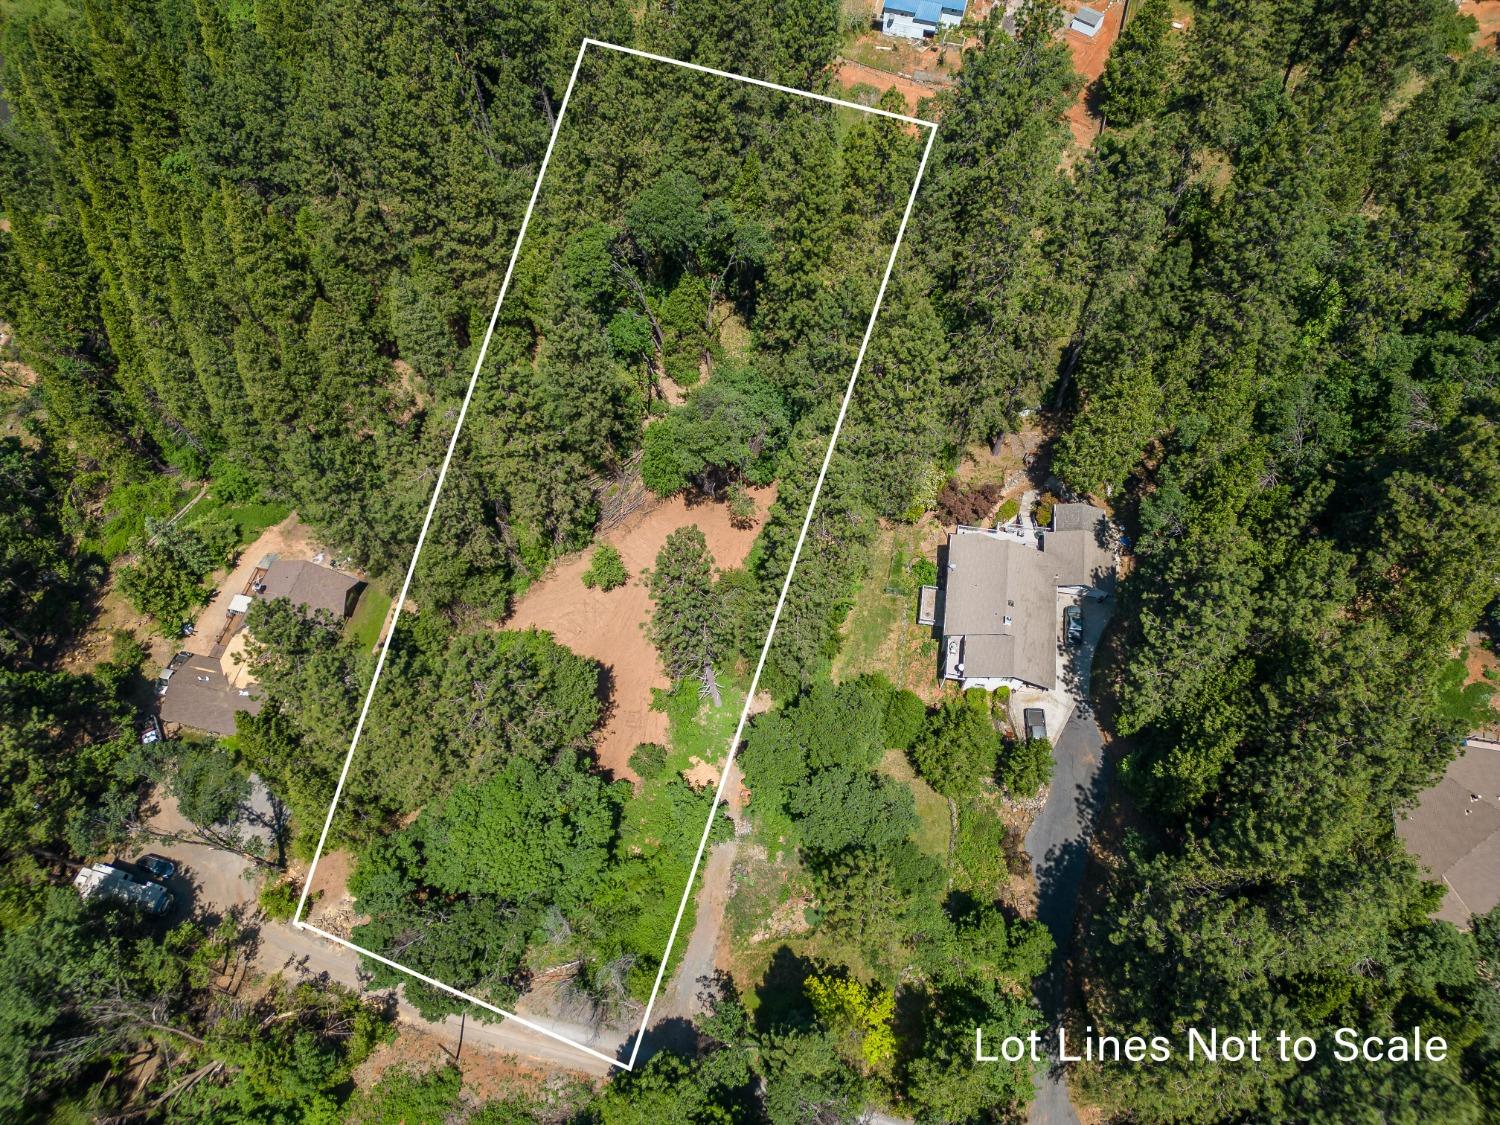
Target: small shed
[{"x": 1087, "y": 21}]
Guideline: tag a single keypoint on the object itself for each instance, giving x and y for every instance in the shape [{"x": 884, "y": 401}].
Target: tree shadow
[
  {"x": 604, "y": 692},
  {"x": 675, "y": 1034},
  {"x": 783, "y": 1003}
]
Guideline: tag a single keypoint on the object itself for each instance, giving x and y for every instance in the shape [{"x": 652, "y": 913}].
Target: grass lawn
[
  {"x": 249, "y": 520},
  {"x": 695, "y": 728},
  {"x": 881, "y": 633},
  {"x": 935, "y": 824},
  {"x": 363, "y": 626}
]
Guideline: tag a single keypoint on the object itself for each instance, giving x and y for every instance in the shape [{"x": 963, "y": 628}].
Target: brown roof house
[
  {"x": 197, "y": 694},
  {"x": 206, "y": 692},
  {"x": 997, "y": 606},
  {"x": 310, "y": 587},
  {"x": 1455, "y": 832}
]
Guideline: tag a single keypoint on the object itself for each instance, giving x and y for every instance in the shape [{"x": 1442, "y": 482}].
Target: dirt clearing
[
  {"x": 611, "y": 627},
  {"x": 1090, "y": 53}
]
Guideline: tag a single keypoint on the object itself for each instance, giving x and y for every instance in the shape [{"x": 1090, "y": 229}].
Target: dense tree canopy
[{"x": 260, "y": 245}]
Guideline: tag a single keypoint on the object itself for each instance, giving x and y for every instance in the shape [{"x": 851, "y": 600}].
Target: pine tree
[
  {"x": 686, "y": 624},
  {"x": 1134, "y": 84}
]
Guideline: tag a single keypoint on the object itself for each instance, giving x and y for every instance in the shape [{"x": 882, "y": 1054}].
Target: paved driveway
[{"x": 1058, "y": 845}]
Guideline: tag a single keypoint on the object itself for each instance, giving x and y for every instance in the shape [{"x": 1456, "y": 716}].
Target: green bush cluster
[{"x": 606, "y": 569}]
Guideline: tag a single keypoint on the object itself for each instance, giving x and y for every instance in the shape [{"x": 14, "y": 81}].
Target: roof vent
[{"x": 1006, "y": 620}]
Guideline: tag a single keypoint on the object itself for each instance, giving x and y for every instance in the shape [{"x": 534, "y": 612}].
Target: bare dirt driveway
[{"x": 611, "y": 627}]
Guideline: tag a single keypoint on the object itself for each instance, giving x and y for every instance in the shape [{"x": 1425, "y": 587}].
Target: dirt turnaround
[{"x": 611, "y": 627}]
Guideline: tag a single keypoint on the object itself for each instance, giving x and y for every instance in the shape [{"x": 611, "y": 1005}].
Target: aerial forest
[{"x": 253, "y": 247}]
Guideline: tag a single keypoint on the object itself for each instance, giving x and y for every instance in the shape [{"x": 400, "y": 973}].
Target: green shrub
[
  {"x": 925, "y": 492},
  {"x": 741, "y": 507},
  {"x": 165, "y": 581},
  {"x": 924, "y": 571},
  {"x": 905, "y": 719},
  {"x": 606, "y": 570},
  {"x": 1008, "y": 511},
  {"x": 957, "y": 751},
  {"x": 1026, "y": 766},
  {"x": 979, "y": 857},
  {"x": 1044, "y": 508},
  {"x": 648, "y": 760},
  {"x": 278, "y": 899}
]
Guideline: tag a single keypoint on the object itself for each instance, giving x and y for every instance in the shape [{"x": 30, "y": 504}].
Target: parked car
[
  {"x": 1073, "y": 624},
  {"x": 1034, "y": 719},
  {"x": 151, "y": 730},
  {"x": 159, "y": 867}
]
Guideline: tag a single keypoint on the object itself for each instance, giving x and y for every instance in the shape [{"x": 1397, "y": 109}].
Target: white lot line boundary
[{"x": 437, "y": 491}]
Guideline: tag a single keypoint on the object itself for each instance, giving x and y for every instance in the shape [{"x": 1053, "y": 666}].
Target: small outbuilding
[{"x": 1087, "y": 21}]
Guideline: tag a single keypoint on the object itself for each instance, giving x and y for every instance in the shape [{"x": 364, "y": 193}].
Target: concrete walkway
[{"x": 1058, "y": 846}]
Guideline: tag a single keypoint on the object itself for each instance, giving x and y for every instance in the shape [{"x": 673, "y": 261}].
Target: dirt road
[
  {"x": 611, "y": 627},
  {"x": 679, "y": 996},
  {"x": 299, "y": 953}
]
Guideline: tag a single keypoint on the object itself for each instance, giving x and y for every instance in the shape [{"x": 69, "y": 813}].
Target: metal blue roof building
[{"x": 920, "y": 19}]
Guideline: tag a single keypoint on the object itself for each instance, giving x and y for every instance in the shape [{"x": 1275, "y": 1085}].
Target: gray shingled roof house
[
  {"x": 1455, "y": 832},
  {"x": 311, "y": 587},
  {"x": 998, "y": 606}
]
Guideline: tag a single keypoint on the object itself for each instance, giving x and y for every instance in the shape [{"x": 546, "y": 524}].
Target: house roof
[
  {"x": 1000, "y": 592},
  {"x": 902, "y": 7},
  {"x": 309, "y": 586},
  {"x": 928, "y": 11},
  {"x": 199, "y": 696},
  {"x": 1078, "y": 547},
  {"x": 1001, "y": 597},
  {"x": 1458, "y": 838}
]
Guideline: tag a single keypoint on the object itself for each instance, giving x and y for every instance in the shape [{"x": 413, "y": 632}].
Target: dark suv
[{"x": 159, "y": 867}]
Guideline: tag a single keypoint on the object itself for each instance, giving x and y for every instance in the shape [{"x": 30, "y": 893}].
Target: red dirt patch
[
  {"x": 486, "y": 1074},
  {"x": 1487, "y": 12},
  {"x": 851, "y": 74},
  {"x": 1089, "y": 56},
  {"x": 330, "y": 906},
  {"x": 611, "y": 627}
]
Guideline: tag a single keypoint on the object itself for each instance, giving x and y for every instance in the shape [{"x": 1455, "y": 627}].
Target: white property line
[
  {"x": 786, "y": 584},
  {"x": 297, "y": 921},
  {"x": 762, "y": 83},
  {"x": 448, "y": 988}
]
